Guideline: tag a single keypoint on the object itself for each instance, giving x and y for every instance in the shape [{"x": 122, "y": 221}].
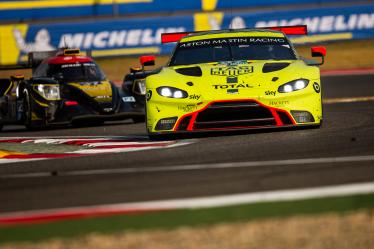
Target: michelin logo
[
  {"x": 41, "y": 43},
  {"x": 116, "y": 38},
  {"x": 326, "y": 23},
  {"x": 321, "y": 24}
]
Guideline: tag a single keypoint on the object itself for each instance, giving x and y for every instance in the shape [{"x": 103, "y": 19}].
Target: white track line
[
  {"x": 212, "y": 166},
  {"x": 204, "y": 202}
]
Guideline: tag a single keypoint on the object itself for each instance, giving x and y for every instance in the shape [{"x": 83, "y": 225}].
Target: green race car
[{"x": 234, "y": 79}]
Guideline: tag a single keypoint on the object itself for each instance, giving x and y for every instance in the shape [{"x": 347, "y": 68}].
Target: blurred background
[
  {"x": 124, "y": 29},
  {"x": 117, "y": 32}
]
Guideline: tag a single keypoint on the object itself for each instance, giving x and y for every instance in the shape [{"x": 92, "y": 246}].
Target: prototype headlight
[
  {"x": 50, "y": 92},
  {"x": 139, "y": 87},
  {"x": 293, "y": 86},
  {"x": 171, "y": 92}
]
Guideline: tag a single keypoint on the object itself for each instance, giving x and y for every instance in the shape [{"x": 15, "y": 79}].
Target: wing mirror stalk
[
  {"x": 147, "y": 60},
  {"x": 318, "y": 52}
]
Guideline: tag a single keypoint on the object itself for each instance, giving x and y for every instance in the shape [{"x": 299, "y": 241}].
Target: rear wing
[
  {"x": 14, "y": 67},
  {"x": 36, "y": 58},
  {"x": 287, "y": 30}
]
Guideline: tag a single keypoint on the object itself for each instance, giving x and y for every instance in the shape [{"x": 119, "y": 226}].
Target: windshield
[
  {"x": 229, "y": 49},
  {"x": 76, "y": 72}
]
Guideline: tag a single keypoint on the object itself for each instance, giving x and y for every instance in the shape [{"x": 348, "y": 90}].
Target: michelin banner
[
  {"x": 103, "y": 38},
  {"x": 142, "y": 35}
]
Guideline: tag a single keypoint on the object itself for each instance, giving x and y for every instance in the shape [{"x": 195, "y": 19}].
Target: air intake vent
[
  {"x": 272, "y": 67},
  {"x": 190, "y": 71},
  {"x": 234, "y": 114}
]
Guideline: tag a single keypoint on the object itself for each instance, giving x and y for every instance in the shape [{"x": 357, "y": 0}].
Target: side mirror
[
  {"x": 147, "y": 60},
  {"x": 319, "y": 52}
]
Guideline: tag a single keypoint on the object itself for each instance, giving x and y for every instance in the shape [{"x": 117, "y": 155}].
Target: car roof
[{"x": 232, "y": 33}]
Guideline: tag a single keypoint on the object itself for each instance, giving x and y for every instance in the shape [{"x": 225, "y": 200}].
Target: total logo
[{"x": 232, "y": 86}]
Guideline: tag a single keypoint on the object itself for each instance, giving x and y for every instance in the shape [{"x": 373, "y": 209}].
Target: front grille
[
  {"x": 284, "y": 118},
  {"x": 184, "y": 123},
  {"x": 234, "y": 114}
]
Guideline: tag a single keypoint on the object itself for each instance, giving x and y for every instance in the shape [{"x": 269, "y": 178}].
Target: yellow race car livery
[{"x": 236, "y": 79}]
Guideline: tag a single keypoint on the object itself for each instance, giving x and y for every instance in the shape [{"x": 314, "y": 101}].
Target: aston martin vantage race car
[
  {"x": 234, "y": 79},
  {"x": 65, "y": 87}
]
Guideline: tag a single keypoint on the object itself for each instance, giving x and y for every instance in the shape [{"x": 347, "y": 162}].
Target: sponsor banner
[
  {"x": 103, "y": 38},
  {"x": 37, "y": 9},
  {"x": 142, "y": 35},
  {"x": 324, "y": 24}
]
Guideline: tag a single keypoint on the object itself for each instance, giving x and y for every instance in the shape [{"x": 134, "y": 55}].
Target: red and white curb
[
  {"x": 84, "y": 147},
  {"x": 49, "y": 215}
]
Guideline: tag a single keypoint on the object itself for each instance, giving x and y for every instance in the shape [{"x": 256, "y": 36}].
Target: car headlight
[
  {"x": 171, "y": 92},
  {"x": 139, "y": 87},
  {"x": 293, "y": 86},
  {"x": 49, "y": 92}
]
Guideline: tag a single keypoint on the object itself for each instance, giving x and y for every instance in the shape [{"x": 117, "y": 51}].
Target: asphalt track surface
[{"x": 348, "y": 131}]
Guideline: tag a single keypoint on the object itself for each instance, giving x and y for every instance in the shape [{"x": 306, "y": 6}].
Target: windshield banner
[{"x": 235, "y": 41}]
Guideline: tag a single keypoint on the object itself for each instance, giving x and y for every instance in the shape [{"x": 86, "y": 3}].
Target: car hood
[{"x": 232, "y": 80}]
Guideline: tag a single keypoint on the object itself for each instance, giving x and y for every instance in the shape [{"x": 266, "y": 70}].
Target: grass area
[
  {"x": 173, "y": 219},
  {"x": 340, "y": 55}
]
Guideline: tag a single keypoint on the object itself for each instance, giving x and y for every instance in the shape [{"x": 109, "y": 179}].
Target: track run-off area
[{"x": 116, "y": 164}]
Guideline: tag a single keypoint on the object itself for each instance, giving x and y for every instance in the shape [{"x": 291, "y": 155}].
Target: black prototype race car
[{"x": 66, "y": 88}]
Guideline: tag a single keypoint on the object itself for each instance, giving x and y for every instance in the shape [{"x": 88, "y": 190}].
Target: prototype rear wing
[
  {"x": 14, "y": 67},
  {"x": 35, "y": 58},
  {"x": 287, "y": 30}
]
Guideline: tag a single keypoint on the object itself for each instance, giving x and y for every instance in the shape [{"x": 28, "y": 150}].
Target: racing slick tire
[
  {"x": 27, "y": 113},
  {"x": 1, "y": 127}
]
